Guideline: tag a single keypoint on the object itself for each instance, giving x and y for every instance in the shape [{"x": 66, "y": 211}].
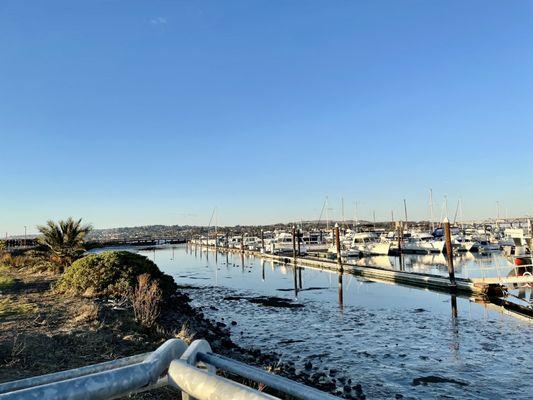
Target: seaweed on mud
[
  {"x": 424, "y": 380},
  {"x": 267, "y": 301}
]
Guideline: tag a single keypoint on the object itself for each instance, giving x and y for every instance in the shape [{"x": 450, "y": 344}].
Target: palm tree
[{"x": 64, "y": 239}]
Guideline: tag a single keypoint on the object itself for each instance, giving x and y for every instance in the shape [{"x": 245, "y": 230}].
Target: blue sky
[{"x": 139, "y": 112}]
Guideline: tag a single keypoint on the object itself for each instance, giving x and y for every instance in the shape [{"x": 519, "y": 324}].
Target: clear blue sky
[{"x": 139, "y": 112}]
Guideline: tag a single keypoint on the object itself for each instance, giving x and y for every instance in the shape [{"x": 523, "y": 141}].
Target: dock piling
[
  {"x": 294, "y": 243},
  {"x": 449, "y": 251},
  {"x": 338, "y": 242},
  {"x": 298, "y": 236}
]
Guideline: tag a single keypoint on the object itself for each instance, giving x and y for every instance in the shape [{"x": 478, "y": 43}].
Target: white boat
[
  {"x": 369, "y": 243},
  {"x": 315, "y": 241},
  {"x": 466, "y": 243},
  {"x": 427, "y": 242},
  {"x": 346, "y": 252},
  {"x": 235, "y": 242},
  {"x": 282, "y": 244},
  {"x": 252, "y": 243}
]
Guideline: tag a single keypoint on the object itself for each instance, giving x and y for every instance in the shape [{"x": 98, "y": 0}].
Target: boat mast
[
  {"x": 431, "y": 216},
  {"x": 327, "y": 214},
  {"x": 342, "y": 212},
  {"x": 216, "y": 226},
  {"x": 461, "y": 215},
  {"x": 209, "y": 225},
  {"x": 355, "y": 216}
]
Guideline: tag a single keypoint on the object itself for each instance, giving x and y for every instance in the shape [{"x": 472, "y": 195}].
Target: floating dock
[{"x": 486, "y": 287}]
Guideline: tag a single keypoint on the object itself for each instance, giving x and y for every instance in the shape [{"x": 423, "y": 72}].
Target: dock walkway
[{"x": 489, "y": 287}]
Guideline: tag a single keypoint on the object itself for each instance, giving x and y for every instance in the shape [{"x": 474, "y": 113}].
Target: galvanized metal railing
[{"x": 191, "y": 370}]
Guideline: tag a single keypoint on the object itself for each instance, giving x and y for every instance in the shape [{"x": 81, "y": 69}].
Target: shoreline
[{"x": 84, "y": 331}]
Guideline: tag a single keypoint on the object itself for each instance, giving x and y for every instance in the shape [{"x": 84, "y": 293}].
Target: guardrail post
[{"x": 190, "y": 357}]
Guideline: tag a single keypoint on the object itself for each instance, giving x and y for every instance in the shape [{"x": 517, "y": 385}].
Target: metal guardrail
[{"x": 191, "y": 370}]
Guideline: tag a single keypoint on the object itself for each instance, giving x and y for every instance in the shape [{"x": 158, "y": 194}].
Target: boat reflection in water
[{"x": 466, "y": 265}]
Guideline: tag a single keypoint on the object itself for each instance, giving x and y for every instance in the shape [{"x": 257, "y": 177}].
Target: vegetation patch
[
  {"x": 6, "y": 282},
  {"x": 8, "y": 307},
  {"x": 112, "y": 273}
]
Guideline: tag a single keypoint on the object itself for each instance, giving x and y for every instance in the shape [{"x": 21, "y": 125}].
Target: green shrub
[{"x": 112, "y": 273}]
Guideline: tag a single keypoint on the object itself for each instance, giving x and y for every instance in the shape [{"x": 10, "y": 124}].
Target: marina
[
  {"x": 502, "y": 256},
  {"x": 375, "y": 333},
  {"x": 278, "y": 200}
]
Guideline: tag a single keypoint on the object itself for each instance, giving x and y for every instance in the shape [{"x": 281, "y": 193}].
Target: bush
[
  {"x": 112, "y": 273},
  {"x": 146, "y": 299}
]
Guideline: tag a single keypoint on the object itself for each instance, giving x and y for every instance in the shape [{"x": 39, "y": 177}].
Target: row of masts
[{"x": 327, "y": 209}]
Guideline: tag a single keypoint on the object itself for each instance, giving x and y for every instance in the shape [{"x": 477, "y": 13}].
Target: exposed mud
[{"x": 368, "y": 339}]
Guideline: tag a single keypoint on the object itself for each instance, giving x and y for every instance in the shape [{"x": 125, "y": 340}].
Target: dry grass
[
  {"x": 88, "y": 312},
  {"x": 185, "y": 333},
  {"x": 146, "y": 301}
]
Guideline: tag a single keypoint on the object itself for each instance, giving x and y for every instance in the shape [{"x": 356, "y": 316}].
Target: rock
[
  {"x": 233, "y": 323},
  {"x": 308, "y": 365}
]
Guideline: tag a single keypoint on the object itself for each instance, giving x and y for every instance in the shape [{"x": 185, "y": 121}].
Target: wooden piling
[
  {"x": 262, "y": 240},
  {"x": 338, "y": 241},
  {"x": 400, "y": 236},
  {"x": 242, "y": 242},
  {"x": 449, "y": 251},
  {"x": 294, "y": 242},
  {"x": 298, "y": 235}
]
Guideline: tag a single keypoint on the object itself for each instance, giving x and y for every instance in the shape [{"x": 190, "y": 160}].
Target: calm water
[{"x": 379, "y": 335}]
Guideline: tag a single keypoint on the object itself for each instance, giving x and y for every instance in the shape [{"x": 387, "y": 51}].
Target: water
[{"x": 382, "y": 336}]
